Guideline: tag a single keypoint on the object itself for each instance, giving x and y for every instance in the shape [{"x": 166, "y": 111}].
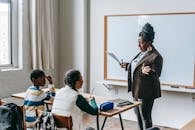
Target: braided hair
[{"x": 71, "y": 77}]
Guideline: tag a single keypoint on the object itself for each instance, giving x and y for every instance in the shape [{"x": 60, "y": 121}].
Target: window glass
[{"x": 5, "y": 35}]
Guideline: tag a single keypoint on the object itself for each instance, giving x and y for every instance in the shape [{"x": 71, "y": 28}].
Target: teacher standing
[{"x": 144, "y": 71}]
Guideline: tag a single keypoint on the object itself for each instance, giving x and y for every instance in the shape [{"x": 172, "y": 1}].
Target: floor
[{"x": 114, "y": 123}]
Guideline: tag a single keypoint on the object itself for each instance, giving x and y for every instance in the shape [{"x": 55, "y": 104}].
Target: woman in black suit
[{"x": 144, "y": 71}]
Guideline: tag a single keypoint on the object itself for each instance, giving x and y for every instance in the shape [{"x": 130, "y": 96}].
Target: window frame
[{"x": 14, "y": 34}]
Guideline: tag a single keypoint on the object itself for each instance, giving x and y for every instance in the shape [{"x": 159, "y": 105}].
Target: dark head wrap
[{"x": 147, "y": 33}]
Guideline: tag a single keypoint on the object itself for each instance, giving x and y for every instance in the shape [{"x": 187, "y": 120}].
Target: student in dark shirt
[{"x": 68, "y": 101}]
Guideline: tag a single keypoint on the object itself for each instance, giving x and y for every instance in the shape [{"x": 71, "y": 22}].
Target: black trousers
[{"x": 143, "y": 113}]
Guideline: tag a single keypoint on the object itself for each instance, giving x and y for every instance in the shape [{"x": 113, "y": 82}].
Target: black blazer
[{"x": 146, "y": 86}]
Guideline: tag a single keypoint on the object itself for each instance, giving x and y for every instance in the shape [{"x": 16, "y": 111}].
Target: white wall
[
  {"x": 70, "y": 49},
  {"x": 73, "y": 44},
  {"x": 173, "y": 109}
]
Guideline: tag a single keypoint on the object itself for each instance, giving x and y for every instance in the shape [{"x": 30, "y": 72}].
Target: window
[{"x": 9, "y": 29}]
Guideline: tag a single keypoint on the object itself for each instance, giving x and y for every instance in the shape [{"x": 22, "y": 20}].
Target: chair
[
  {"x": 60, "y": 121},
  {"x": 63, "y": 122}
]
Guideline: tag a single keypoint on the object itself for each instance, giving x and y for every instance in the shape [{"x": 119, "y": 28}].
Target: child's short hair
[{"x": 36, "y": 74}]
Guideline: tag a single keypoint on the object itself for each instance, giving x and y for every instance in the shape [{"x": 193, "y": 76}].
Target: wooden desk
[
  {"x": 99, "y": 100},
  {"x": 189, "y": 126},
  {"x": 19, "y": 95},
  {"x": 113, "y": 112},
  {"x": 17, "y": 101},
  {"x": 22, "y": 94},
  {"x": 119, "y": 110}
]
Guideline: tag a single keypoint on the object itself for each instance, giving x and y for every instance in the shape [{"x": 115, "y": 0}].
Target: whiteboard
[{"x": 174, "y": 39}]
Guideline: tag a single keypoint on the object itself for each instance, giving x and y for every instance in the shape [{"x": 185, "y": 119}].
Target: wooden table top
[{"x": 189, "y": 126}]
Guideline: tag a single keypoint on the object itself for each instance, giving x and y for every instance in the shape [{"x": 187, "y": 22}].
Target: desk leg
[
  {"x": 121, "y": 121},
  {"x": 104, "y": 123},
  {"x": 97, "y": 120}
]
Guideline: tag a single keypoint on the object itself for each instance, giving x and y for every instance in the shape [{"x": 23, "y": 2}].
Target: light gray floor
[{"x": 114, "y": 123}]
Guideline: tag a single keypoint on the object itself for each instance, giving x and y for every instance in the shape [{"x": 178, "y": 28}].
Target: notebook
[{"x": 121, "y": 102}]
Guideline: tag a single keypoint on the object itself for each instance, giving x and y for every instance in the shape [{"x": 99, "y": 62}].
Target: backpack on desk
[{"x": 11, "y": 117}]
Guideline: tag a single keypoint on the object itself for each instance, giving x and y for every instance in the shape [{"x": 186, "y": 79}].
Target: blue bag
[{"x": 106, "y": 106}]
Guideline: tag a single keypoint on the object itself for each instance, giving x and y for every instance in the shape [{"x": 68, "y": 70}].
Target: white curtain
[{"x": 42, "y": 32}]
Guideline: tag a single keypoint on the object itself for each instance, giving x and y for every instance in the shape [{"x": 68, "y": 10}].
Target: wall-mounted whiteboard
[{"x": 174, "y": 39}]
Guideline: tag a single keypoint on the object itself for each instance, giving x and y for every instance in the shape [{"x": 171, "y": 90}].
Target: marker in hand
[{"x": 123, "y": 64}]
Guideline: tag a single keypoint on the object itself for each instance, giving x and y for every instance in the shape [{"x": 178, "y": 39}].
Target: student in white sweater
[{"x": 68, "y": 101}]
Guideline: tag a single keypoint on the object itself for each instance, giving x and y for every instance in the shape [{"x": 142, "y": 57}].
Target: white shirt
[
  {"x": 65, "y": 105},
  {"x": 135, "y": 61}
]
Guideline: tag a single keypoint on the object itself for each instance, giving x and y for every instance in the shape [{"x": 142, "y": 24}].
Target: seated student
[
  {"x": 68, "y": 101},
  {"x": 34, "y": 98}
]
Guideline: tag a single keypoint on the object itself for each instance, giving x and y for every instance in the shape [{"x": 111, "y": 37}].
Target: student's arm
[
  {"x": 51, "y": 85},
  {"x": 50, "y": 94},
  {"x": 84, "y": 105},
  {"x": 51, "y": 89}
]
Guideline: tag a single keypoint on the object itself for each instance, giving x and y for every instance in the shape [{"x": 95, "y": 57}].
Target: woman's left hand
[{"x": 146, "y": 69}]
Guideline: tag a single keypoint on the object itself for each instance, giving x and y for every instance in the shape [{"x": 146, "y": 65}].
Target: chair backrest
[{"x": 63, "y": 122}]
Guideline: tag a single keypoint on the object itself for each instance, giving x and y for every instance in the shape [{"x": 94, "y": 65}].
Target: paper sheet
[{"x": 114, "y": 57}]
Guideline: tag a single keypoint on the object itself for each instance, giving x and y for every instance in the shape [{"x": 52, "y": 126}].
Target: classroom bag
[
  {"x": 11, "y": 117},
  {"x": 45, "y": 121}
]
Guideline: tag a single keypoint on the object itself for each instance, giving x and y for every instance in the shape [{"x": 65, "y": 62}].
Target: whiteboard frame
[{"x": 106, "y": 47}]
